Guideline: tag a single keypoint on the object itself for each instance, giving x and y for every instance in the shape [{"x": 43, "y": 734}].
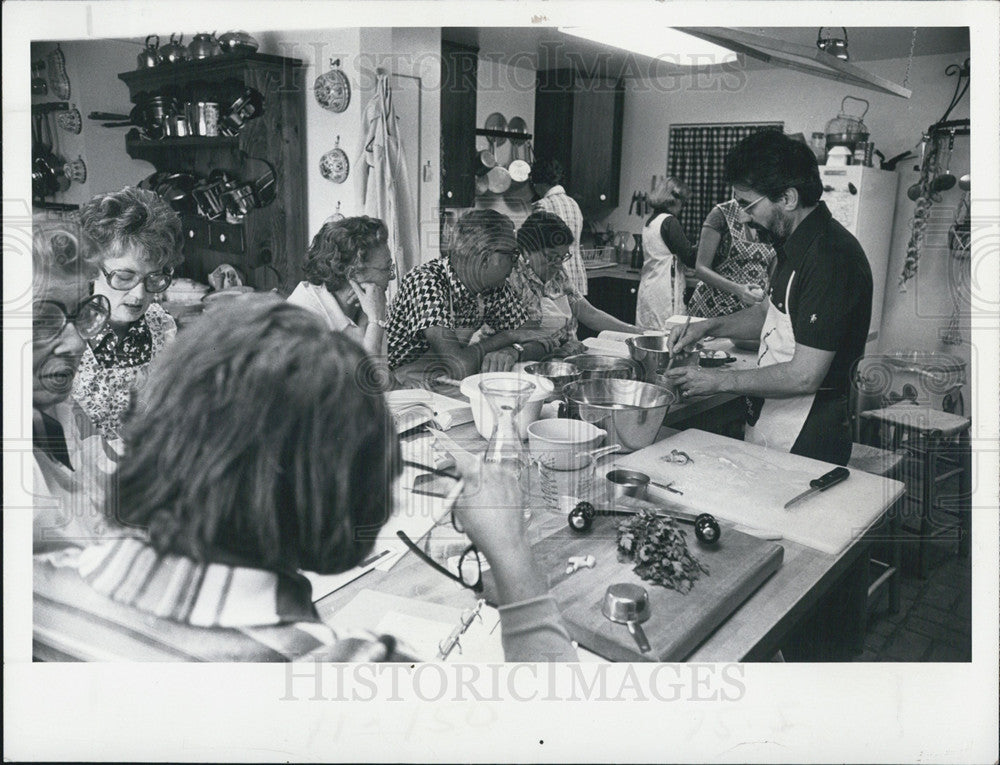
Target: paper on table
[
  {"x": 324, "y": 584},
  {"x": 421, "y": 626}
]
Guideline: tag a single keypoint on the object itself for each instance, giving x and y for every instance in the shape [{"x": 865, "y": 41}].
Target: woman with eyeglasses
[
  {"x": 552, "y": 304},
  {"x": 70, "y": 478},
  {"x": 348, "y": 269},
  {"x": 734, "y": 259},
  {"x": 667, "y": 252},
  {"x": 139, "y": 237},
  {"x": 219, "y": 515}
]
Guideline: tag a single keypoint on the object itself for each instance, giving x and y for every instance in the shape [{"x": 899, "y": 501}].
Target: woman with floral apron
[{"x": 731, "y": 256}]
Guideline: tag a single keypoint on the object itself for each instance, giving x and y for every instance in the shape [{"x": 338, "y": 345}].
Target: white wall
[
  {"x": 805, "y": 104},
  {"x": 93, "y": 67},
  {"x": 322, "y": 127}
]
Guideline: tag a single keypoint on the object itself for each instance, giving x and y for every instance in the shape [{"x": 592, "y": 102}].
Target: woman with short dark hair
[
  {"x": 550, "y": 301},
  {"x": 139, "y": 237},
  {"x": 256, "y": 451},
  {"x": 348, "y": 268}
]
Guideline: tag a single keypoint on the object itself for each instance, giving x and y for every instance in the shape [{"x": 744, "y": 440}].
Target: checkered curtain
[{"x": 695, "y": 154}]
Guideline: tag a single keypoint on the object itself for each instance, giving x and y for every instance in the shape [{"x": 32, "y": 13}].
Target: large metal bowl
[
  {"x": 559, "y": 373},
  {"x": 651, "y": 352},
  {"x": 629, "y": 410},
  {"x": 593, "y": 366}
]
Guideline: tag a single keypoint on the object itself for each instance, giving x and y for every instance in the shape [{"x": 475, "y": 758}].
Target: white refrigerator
[{"x": 863, "y": 200}]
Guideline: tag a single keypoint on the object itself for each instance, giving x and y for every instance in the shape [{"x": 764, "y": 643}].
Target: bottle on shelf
[{"x": 638, "y": 255}]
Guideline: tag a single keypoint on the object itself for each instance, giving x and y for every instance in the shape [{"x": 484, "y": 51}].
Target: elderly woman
[
  {"x": 254, "y": 453},
  {"x": 667, "y": 251},
  {"x": 139, "y": 238},
  {"x": 734, "y": 259},
  {"x": 69, "y": 476},
  {"x": 348, "y": 269},
  {"x": 551, "y": 303}
]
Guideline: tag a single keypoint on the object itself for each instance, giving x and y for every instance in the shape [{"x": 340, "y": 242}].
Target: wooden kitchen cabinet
[
  {"x": 579, "y": 122},
  {"x": 459, "y": 65},
  {"x": 268, "y": 244},
  {"x": 615, "y": 296}
]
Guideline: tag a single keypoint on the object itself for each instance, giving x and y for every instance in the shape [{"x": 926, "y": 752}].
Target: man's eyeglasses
[
  {"x": 745, "y": 206},
  {"x": 50, "y": 317},
  {"x": 154, "y": 282},
  {"x": 553, "y": 256}
]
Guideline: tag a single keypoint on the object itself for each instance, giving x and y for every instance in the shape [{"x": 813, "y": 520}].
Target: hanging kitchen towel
[{"x": 383, "y": 182}]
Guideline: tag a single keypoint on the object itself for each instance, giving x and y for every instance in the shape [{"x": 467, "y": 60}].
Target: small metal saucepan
[
  {"x": 628, "y": 604},
  {"x": 632, "y": 483}
]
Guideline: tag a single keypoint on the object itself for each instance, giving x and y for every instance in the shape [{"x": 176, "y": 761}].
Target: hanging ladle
[
  {"x": 965, "y": 182},
  {"x": 946, "y": 180}
]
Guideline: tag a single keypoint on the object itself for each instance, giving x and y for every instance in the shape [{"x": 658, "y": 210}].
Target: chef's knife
[{"x": 822, "y": 483}]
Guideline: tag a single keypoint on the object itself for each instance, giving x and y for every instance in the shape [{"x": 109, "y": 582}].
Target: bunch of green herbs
[{"x": 659, "y": 550}]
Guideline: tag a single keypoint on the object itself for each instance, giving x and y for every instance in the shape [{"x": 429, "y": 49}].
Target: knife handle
[{"x": 832, "y": 478}]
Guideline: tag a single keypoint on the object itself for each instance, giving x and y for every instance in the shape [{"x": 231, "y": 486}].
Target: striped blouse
[{"x": 121, "y": 600}]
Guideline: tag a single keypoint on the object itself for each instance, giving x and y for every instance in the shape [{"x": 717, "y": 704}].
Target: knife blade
[{"x": 822, "y": 483}]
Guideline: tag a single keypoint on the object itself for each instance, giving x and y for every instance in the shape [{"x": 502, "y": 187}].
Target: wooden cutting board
[
  {"x": 737, "y": 565},
  {"x": 749, "y": 484}
]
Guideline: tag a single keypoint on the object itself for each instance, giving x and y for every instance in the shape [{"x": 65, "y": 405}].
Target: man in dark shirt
[{"x": 814, "y": 327}]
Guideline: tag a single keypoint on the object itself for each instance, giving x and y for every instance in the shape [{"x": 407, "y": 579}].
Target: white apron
[
  {"x": 781, "y": 419},
  {"x": 661, "y": 285}
]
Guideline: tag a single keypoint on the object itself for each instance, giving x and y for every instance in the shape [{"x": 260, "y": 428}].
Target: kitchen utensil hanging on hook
[
  {"x": 496, "y": 121},
  {"x": 946, "y": 180},
  {"x": 70, "y": 120},
  {"x": 913, "y": 193},
  {"x": 333, "y": 89},
  {"x": 58, "y": 79},
  {"x": 334, "y": 165}
]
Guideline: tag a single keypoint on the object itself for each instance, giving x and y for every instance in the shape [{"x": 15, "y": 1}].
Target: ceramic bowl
[
  {"x": 562, "y": 440},
  {"x": 482, "y": 415}
]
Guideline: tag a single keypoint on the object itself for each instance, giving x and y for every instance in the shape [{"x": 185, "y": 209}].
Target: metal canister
[
  {"x": 861, "y": 150},
  {"x": 211, "y": 111}
]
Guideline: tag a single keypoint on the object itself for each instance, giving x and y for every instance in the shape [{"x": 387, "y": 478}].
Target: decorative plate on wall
[
  {"x": 333, "y": 89},
  {"x": 334, "y": 165}
]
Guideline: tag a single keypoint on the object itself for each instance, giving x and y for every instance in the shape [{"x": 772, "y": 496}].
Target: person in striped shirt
[
  {"x": 546, "y": 180},
  {"x": 254, "y": 452}
]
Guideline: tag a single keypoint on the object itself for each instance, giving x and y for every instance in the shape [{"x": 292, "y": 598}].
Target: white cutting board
[{"x": 749, "y": 484}]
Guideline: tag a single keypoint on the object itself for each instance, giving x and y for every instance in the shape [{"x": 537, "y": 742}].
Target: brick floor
[{"x": 934, "y": 622}]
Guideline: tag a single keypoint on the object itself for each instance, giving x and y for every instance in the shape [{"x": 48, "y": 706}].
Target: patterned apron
[
  {"x": 746, "y": 263},
  {"x": 777, "y": 422}
]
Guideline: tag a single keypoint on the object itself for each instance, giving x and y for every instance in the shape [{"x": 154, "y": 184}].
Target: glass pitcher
[{"x": 506, "y": 398}]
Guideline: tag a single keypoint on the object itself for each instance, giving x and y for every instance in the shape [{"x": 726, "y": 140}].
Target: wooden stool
[
  {"x": 928, "y": 435},
  {"x": 872, "y": 459}
]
